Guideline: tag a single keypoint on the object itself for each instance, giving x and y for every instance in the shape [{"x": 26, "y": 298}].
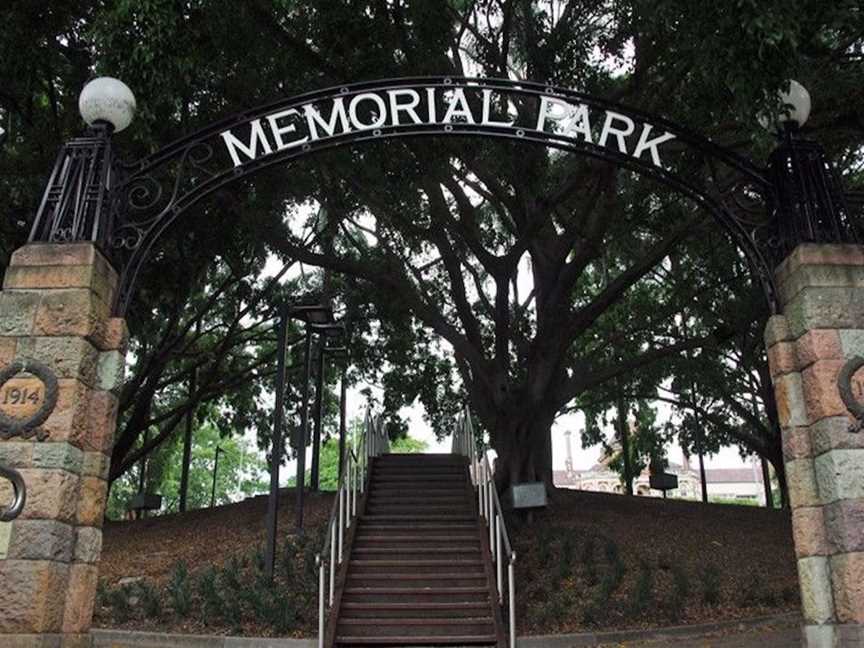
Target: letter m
[{"x": 257, "y": 139}]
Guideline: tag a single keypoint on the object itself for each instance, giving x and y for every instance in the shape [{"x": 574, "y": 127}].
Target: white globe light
[
  {"x": 109, "y": 100},
  {"x": 799, "y": 99}
]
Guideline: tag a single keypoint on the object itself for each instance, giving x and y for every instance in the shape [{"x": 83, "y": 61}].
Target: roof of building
[{"x": 712, "y": 475}]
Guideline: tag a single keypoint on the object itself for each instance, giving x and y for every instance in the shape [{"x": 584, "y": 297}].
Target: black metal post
[
  {"x": 304, "y": 426},
  {"x": 215, "y": 471},
  {"x": 343, "y": 390},
  {"x": 276, "y": 450},
  {"x": 314, "y": 477},
  {"x": 766, "y": 483},
  {"x": 187, "y": 446},
  {"x": 142, "y": 475},
  {"x": 702, "y": 478}
]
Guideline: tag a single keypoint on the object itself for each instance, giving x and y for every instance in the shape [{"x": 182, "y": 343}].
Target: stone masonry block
[
  {"x": 840, "y": 475},
  {"x": 68, "y": 422},
  {"x": 100, "y": 278},
  {"x": 16, "y": 453},
  {"x": 18, "y": 312},
  {"x": 819, "y": 307},
  {"x": 796, "y": 443},
  {"x": 51, "y": 494},
  {"x": 102, "y": 421},
  {"x": 7, "y": 350},
  {"x": 844, "y": 525},
  {"x": 821, "y": 394},
  {"x": 91, "y": 501},
  {"x": 842, "y": 254},
  {"x": 817, "y": 600},
  {"x": 804, "y": 276},
  {"x": 74, "y": 312},
  {"x": 791, "y": 408},
  {"x": 96, "y": 464},
  {"x": 847, "y": 576},
  {"x": 116, "y": 336},
  {"x": 833, "y": 433},
  {"x": 42, "y": 540},
  {"x": 88, "y": 546},
  {"x": 112, "y": 367},
  {"x": 852, "y": 342},
  {"x": 80, "y": 598},
  {"x": 850, "y": 635},
  {"x": 808, "y": 530},
  {"x": 55, "y": 254},
  {"x": 782, "y": 359},
  {"x": 801, "y": 480},
  {"x": 69, "y": 357},
  {"x": 818, "y": 344},
  {"x": 29, "y": 598},
  {"x": 819, "y": 636},
  {"x": 777, "y": 330},
  {"x": 64, "y": 456},
  {"x": 5, "y": 537}
]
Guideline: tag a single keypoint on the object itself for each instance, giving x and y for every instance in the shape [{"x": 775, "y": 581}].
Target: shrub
[
  {"x": 680, "y": 591},
  {"x": 565, "y": 563},
  {"x": 121, "y": 606},
  {"x": 211, "y": 600},
  {"x": 151, "y": 602},
  {"x": 588, "y": 562},
  {"x": 179, "y": 590},
  {"x": 711, "y": 585},
  {"x": 643, "y": 594}
]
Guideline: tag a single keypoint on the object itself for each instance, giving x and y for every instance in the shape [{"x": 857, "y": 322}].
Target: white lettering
[
  {"x": 396, "y": 107},
  {"x": 313, "y": 117},
  {"x": 619, "y": 133},
  {"x": 580, "y": 123},
  {"x": 430, "y": 100},
  {"x": 547, "y": 108},
  {"x": 256, "y": 138},
  {"x": 487, "y": 109},
  {"x": 458, "y": 108},
  {"x": 378, "y": 118},
  {"x": 651, "y": 145},
  {"x": 279, "y": 131}
]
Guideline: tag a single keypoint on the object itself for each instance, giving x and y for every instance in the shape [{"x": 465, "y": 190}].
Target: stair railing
[
  {"x": 19, "y": 496},
  {"x": 354, "y": 479},
  {"x": 489, "y": 505}
]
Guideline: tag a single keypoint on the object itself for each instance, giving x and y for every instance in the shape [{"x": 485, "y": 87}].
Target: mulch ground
[{"x": 566, "y": 563}]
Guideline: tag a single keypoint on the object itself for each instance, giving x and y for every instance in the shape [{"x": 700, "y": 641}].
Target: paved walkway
[{"x": 777, "y": 638}]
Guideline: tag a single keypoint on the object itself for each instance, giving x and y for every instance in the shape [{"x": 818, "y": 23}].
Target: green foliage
[
  {"x": 150, "y": 600},
  {"x": 180, "y": 590},
  {"x": 241, "y": 473},
  {"x": 680, "y": 592},
  {"x": 118, "y": 600}
]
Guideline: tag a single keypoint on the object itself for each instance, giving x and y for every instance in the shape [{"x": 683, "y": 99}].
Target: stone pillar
[
  {"x": 821, "y": 288},
  {"x": 55, "y": 308}
]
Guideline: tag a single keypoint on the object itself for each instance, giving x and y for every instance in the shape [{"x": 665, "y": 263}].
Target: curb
[{"x": 127, "y": 639}]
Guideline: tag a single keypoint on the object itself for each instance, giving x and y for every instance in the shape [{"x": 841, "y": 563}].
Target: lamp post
[
  {"x": 215, "y": 471},
  {"x": 326, "y": 332},
  {"x": 309, "y": 313}
]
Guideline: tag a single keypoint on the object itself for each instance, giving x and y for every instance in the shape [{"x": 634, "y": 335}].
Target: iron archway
[{"x": 126, "y": 208}]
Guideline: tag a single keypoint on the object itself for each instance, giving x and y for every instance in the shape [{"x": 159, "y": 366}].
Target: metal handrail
[
  {"x": 353, "y": 480},
  {"x": 20, "y": 494},
  {"x": 489, "y": 506}
]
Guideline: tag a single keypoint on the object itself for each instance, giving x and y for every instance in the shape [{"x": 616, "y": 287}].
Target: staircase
[{"x": 418, "y": 571}]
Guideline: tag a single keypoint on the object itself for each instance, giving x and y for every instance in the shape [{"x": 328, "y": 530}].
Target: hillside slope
[{"x": 590, "y": 561}]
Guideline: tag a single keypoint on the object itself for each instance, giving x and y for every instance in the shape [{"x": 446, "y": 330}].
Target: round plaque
[
  {"x": 847, "y": 388},
  {"x": 28, "y": 395}
]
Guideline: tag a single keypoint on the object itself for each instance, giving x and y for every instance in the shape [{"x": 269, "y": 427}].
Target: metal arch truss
[{"x": 125, "y": 208}]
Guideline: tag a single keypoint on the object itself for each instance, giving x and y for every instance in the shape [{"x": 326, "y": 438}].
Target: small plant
[
  {"x": 544, "y": 546},
  {"x": 587, "y": 560},
  {"x": 151, "y": 603},
  {"x": 711, "y": 585},
  {"x": 211, "y": 600},
  {"x": 121, "y": 606},
  {"x": 680, "y": 591},
  {"x": 643, "y": 594},
  {"x": 179, "y": 590},
  {"x": 565, "y": 564}
]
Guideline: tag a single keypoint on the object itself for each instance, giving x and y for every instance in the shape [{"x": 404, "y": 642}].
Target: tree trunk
[{"x": 524, "y": 448}]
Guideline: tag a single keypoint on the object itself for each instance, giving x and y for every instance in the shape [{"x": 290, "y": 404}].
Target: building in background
[{"x": 724, "y": 484}]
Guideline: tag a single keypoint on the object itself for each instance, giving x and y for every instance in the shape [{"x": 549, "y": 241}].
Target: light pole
[
  {"x": 215, "y": 471},
  {"x": 326, "y": 332},
  {"x": 309, "y": 313}
]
